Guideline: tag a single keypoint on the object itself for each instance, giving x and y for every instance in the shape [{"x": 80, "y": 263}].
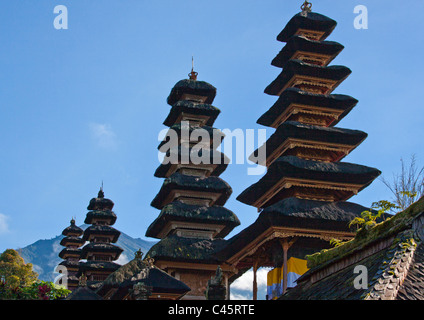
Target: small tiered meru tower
[
  {"x": 302, "y": 197},
  {"x": 192, "y": 221},
  {"x": 100, "y": 252},
  {"x": 71, "y": 253}
]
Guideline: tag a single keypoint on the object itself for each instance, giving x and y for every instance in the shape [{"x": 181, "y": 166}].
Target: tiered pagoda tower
[
  {"x": 302, "y": 197},
  {"x": 71, "y": 253},
  {"x": 192, "y": 222},
  {"x": 100, "y": 252}
]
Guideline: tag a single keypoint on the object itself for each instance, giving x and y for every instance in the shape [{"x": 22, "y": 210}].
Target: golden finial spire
[
  {"x": 192, "y": 74},
  {"x": 306, "y": 8}
]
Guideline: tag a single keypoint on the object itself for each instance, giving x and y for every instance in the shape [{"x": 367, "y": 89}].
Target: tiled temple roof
[
  {"x": 393, "y": 253},
  {"x": 126, "y": 277}
]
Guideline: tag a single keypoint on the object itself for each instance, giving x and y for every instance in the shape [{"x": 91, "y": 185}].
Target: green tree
[
  {"x": 14, "y": 272},
  {"x": 19, "y": 282}
]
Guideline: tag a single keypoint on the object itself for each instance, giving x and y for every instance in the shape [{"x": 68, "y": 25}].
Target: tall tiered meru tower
[
  {"x": 100, "y": 252},
  {"x": 302, "y": 197},
  {"x": 192, "y": 222},
  {"x": 71, "y": 253}
]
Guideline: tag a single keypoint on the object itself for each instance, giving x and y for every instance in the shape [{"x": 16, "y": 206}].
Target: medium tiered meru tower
[
  {"x": 302, "y": 197},
  {"x": 71, "y": 253},
  {"x": 192, "y": 221},
  {"x": 100, "y": 252}
]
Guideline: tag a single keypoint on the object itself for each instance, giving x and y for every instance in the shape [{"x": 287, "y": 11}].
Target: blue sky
[{"x": 86, "y": 104}]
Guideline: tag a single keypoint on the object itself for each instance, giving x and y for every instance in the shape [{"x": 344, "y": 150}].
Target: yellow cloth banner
[{"x": 295, "y": 268}]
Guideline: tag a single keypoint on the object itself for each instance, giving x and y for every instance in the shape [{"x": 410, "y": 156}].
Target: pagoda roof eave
[
  {"x": 299, "y": 43},
  {"x": 296, "y": 216},
  {"x": 290, "y": 96},
  {"x": 176, "y": 248},
  {"x": 179, "y": 211},
  {"x": 192, "y": 87},
  {"x": 74, "y": 240},
  {"x": 299, "y": 68},
  {"x": 100, "y": 204},
  {"x": 180, "y": 128},
  {"x": 101, "y": 230},
  {"x": 103, "y": 214},
  {"x": 106, "y": 266},
  {"x": 68, "y": 251},
  {"x": 294, "y": 167},
  {"x": 100, "y": 247},
  {"x": 313, "y": 21},
  {"x": 178, "y": 181},
  {"x": 72, "y": 230},
  {"x": 297, "y": 130},
  {"x": 216, "y": 158},
  {"x": 194, "y": 108}
]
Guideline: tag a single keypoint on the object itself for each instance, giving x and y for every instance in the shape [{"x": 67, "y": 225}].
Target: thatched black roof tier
[
  {"x": 313, "y": 21},
  {"x": 299, "y": 43},
  {"x": 72, "y": 230},
  {"x": 178, "y": 211},
  {"x": 70, "y": 264},
  {"x": 192, "y": 133},
  {"x": 69, "y": 251},
  {"x": 126, "y": 277},
  {"x": 291, "y": 96},
  {"x": 101, "y": 230},
  {"x": 76, "y": 241},
  {"x": 298, "y": 67},
  {"x": 100, "y": 214},
  {"x": 179, "y": 181},
  {"x": 296, "y": 213},
  {"x": 97, "y": 265},
  {"x": 175, "y": 248},
  {"x": 194, "y": 108},
  {"x": 294, "y": 167},
  {"x": 205, "y": 156},
  {"x": 191, "y": 87},
  {"x": 296, "y": 130},
  {"x": 100, "y": 247},
  {"x": 323, "y": 212},
  {"x": 100, "y": 203}
]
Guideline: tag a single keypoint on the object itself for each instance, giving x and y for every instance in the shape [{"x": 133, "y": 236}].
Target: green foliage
[
  {"x": 19, "y": 282},
  {"x": 336, "y": 243},
  {"x": 14, "y": 272},
  {"x": 43, "y": 290},
  {"x": 368, "y": 218},
  {"x": 39, "y": 290}
]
